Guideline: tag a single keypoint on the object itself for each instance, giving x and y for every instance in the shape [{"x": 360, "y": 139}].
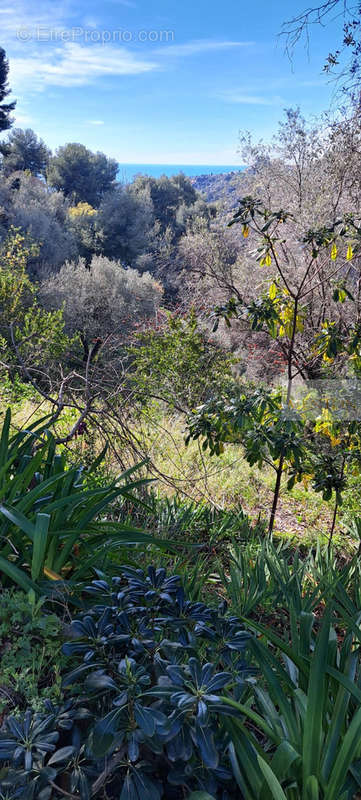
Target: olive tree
[
  {"x": 103, "y": 302},
  {"x": 43, "y": 214}
]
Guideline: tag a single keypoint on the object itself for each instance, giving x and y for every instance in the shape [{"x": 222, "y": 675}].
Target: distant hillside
[{"x": 225, "y": 188}]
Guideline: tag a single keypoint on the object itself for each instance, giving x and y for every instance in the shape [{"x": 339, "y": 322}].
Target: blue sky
[{"x": 159, "y": 81}]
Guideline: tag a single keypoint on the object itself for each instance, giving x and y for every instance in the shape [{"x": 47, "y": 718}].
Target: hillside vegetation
[{"x": 180, "y": 463}]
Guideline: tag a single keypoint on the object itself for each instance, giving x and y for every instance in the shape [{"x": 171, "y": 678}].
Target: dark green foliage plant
[{"x": 144, "y": 715}]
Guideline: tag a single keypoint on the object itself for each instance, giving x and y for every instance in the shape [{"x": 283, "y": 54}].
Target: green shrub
[
  {"x": 30, "y": 652},
  {"x": 177, "y": 363},
  {"x": 145, "y": 715}
]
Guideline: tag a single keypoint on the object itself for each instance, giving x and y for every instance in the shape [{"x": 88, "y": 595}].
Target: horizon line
[{"x": 177, "y": 163}]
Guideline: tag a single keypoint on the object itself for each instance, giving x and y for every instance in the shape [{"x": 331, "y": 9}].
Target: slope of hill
[{"x": 225, "y": 188}]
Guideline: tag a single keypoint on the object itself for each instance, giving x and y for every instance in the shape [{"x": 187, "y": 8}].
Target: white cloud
[
  {"x": 74, "y": 65},
  {"x": 42, "y": 64},
  {"x": 242, "y": 98},
  {"x": 95, "y": 121},
  {"x": 22, "y": 119},
  {"x": 20, "y": 16},
  {"x": 199, "y": 46}
]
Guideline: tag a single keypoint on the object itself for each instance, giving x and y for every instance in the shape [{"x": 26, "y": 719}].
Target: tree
[
  {"x": 307, "y": 167},
  {"x": 24, "y": 151},
  {"x": 301, "y": 275},
  {"x": 349, "y": 73},
  {"x": 104, "y": 300},
  {"x": 42, "y": 213},
  {"x": 82, "y": 224},
  {"x": 176, "y": 363},
  {"x": 5, "y": 108},
  {"x": 81, "y": 175},
  {"x": 83, "y": 375},
  {"x": 124, "y": 225},
  {"x": 31, "y": 339},
  {"x": 172, "y": 198}
]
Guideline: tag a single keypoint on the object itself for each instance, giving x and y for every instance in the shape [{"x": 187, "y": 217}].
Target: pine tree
[{"x": 5, "y": 108}]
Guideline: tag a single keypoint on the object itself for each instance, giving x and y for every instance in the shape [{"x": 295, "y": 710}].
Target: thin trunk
[
  {"x": 277, "y": 489},
  {"x": 334, "y": 518},
  {"x": 276, "y": 494},
  {"x": 333, "y": 525}
]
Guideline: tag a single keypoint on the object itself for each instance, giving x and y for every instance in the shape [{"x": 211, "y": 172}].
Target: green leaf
[
  {"x": 346, "y": 754},
  {"x": 17, "y": 575},
  {"x": 19, "y": 520},
  {"x": 4, "y": 441},
  {"x": 312, "y": 788},
  {"x": 200, "y": 796},
  {"x": 64, "y": 754},
  {"x": 243, "y": 758},
  {"x": 39, "y": 545},
  {"x": 337, "y": 721},
  {"x": 312, "y": 740},
  {"x": 272, "y": 782}
]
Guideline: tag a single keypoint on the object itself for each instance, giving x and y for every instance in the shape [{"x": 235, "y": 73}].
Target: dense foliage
[
  {"x": 5, "y": 108},
  {"x": 83, "y": 176},
  {"x": 23, "y": 151},
  {"x": 144, "y": 718},
  {"x": 177, "y": 363},
  {"x": 29, "y": 639}
]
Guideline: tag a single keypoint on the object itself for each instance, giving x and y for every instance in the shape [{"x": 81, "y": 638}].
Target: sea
[{"x": 127, "y": 172}]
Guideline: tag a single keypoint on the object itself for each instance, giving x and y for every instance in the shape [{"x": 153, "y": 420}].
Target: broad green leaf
[
  {"x": 39, "y": 545},
  {"x": 312, "y": 788},
  {"x": 18, "y": 519},
  {"x": 349, "y": 749},
  {"x": 273, "y": 783},
  {"x": 17, "y": 575},
  {"x": 312, "y": 740}
]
